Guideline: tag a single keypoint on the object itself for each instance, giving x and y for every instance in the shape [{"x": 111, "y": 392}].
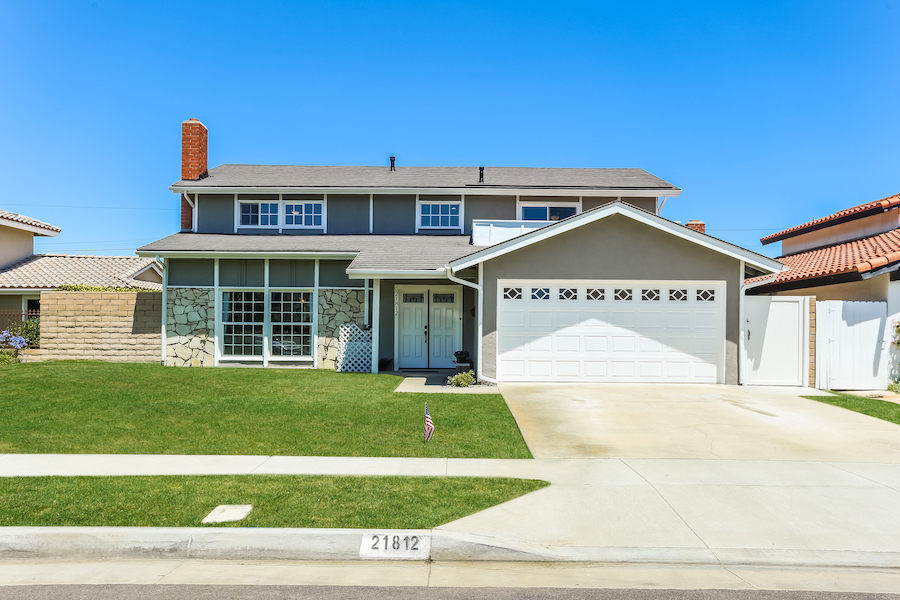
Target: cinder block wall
[{"x": 111, "y": 326}]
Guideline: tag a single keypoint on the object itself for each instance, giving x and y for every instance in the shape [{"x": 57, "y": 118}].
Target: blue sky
[{"x": 766, "y": 114}]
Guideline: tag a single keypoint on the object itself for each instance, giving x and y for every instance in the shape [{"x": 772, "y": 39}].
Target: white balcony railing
[{"x": 490, "y": 232}]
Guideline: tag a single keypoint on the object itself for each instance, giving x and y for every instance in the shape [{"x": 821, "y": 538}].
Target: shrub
[
  {"x": 894, "y": 386},
  {"x": 83, "y": 287},
  {"x": 30, "y": 329},
  {"x": 8, "y": 356},
  {"x": 462, "y": 379}
]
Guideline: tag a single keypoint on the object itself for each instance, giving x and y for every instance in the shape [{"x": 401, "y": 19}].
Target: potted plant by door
[{"x": 463, "y": 361}]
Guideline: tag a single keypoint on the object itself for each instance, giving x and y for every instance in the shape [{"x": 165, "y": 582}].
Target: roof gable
[
  {"x": 753, "y": 259},
  {"x": 17, "y": 221}
]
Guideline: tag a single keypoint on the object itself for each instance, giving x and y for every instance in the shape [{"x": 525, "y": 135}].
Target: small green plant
[
  {"x": 30, "y": 329},
  {"x": 462, "y": 379},
  {"x": 8, "y": 356},
  {"x": 83, "y": 287},
  {"x": 894, "y": 386}
]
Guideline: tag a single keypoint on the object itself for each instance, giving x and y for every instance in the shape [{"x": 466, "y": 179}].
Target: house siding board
[
  {"x": 191, "y": 272},
  {"x": 332, "y": 273},
  {"x": 292, "y": 273},
  {"x": 241, "y": 273},
  {"x": 394, "y": 214},
  {"x": 500, "y": 208},
  {"x": 614, "y": 248},
  {"x": 588, "y": 203},
  {"x": 348, "y": 213},
  {"x": 215, "y": 213}
]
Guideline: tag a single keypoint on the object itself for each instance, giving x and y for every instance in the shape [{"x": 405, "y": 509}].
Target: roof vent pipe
[
  {"x": 480, "y": 174},
  {"x": 393, "y": 159}
]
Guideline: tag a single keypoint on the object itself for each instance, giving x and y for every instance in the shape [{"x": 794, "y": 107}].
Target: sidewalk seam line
[
  {"x": 672, "y": 508},
  {"x": 890, "y": 487},
  {"x": 739, "y": 577}
]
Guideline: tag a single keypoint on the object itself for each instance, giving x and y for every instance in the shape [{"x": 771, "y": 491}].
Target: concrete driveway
[{"x": 694, "y": 421}]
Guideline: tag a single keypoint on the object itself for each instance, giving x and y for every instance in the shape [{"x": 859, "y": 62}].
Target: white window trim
[
  {"x": 545, "y": 204},
  {"x": 282, "y": 214},
  {"x": 460, "y": 203}
]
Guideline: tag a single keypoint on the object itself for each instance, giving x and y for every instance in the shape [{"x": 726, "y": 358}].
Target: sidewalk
[{"x": 710, "y": 513}]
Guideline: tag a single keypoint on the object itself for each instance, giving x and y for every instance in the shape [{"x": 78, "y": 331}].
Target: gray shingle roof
[
  {"x": 374, "y": 252},
  {"x": 17, "y": 218},
  {"x": 283, "y": 176},
  {"x": 53, "y": 270}
]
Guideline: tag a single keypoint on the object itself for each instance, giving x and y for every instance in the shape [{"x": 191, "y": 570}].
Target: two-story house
[
  {"x": 24, "y": 274},
  {"x": 542, "y": 274}
]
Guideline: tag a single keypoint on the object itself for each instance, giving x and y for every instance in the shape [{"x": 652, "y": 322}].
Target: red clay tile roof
[
  {"x": 869, "y": 207},
  {"x": 17, "y": 218},
  {"x": 857, "y": 256}
]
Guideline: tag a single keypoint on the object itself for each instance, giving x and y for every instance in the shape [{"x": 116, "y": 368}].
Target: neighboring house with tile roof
[
  {"x": 853, "y": 254},
  {"x": 24, "y": 275},
  {"x": 541, "y": 274}
]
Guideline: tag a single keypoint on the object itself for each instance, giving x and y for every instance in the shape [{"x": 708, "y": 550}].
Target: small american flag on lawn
[{"x": 429, "y": 425}]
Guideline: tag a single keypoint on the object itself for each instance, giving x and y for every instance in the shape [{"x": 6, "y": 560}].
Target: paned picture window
[
  {"x": 622, "y": 294},
  {"x": 291, "y": 314},
  {"x": 678, "y": 295},
  {"x": 568, "y": 294},
  {"x": 443, "y": 298},
  {"x": 650, "y": 295},
  {"x": 306, "y": 214},
  {"x": 439, "y": 215},
  {"x": 596, "y": 294},
  {"x": 512, "y": 293},
  {"x": 706, "y": 295},
  {"x": 414, "y": 298},
  {"x": 547, "y": 213},
  {"x": 242, "y": 322},
  {"x": 540, "y": 293},
  {"x": 259, "y": 213}
]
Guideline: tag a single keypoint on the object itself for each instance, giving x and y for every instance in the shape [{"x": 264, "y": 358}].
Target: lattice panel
[{"x": 354, "y": 351}]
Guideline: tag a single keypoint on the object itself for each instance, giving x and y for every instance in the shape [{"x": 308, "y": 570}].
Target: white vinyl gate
[
  {"x": 851, "y": 351},
  {"x": 776, "y": 340}
]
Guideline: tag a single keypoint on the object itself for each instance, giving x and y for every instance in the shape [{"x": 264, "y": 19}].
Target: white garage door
[{"x": 650, "y": 331}]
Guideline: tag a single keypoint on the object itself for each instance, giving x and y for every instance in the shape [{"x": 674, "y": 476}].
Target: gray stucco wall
[
  {"x": 17, "y": 245},
  {"x": 394, "y": 214},
  {"x": 348, "y": 213},
  {"x": 386, "y": 315},
  {"x": 489, "y": 207},
  {"x": 615, "y": 248}
]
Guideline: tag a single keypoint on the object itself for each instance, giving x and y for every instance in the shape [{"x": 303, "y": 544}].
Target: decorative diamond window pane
[
  {"x": 414, "y": 298},
  {"x": 568, "y": 294},
  {"x": 443, "y": 298},
  {"x": 512, "y": 293},
  {"x": 678, "y": 295},
  {"x": 596, "y": 294},
  {"x": 650, "y": 295},
  {"x": 706, "y": 295},
  {"x": 540, "y": 293},
  {"x": 622, "y": 294}
]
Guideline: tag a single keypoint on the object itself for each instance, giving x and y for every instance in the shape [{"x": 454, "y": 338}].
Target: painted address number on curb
[{"x": 395, "y": 545}]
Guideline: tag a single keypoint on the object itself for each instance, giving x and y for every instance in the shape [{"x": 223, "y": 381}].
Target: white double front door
[{"x": 429, "y": 325}]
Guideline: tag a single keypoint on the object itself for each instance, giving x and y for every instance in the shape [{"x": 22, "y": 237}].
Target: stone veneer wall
[
  {"x": 110, "y": 326},
  {"x": 190, "y": 326},
  {"x": 336, "y": 308}
]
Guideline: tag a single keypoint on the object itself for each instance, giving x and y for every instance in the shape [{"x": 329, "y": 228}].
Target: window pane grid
[
  {"x": 439, "y": 215},
  {"x": 307, "y": 214},
  {"x": 291, "y": 314}
]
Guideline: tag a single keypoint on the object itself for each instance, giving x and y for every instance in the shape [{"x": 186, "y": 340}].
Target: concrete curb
[{"x": 224, "y": 543}]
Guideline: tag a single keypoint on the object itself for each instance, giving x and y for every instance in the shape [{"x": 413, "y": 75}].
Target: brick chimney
[
  {"x": 193, "y": 163},
  {"x": 696, "y": 226}
]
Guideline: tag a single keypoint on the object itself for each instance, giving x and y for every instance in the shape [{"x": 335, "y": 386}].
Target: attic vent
[
  {"x": 393, "y": 160},
  {"x": 480, "y": 174}
]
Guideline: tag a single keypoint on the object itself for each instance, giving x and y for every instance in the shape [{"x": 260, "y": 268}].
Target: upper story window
[
  {"x": 308, "y": 214},
  {"x": 439, "y": 215},
  {"x": 546, "y": 212},
  {"x": 259, "y": 213},
  {"x": 281, "y": 214}
]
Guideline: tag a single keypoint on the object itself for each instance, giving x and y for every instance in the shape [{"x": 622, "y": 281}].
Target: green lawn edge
[
  {"x": 308, "y": 501},
  {"x": 880, "y": 409},
  {"x": 86, "y": 407}
]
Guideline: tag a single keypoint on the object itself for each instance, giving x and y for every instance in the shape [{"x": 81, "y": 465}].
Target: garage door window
[
  {"x": 512, "y": 293},
  {"x": 540, "y": 293},
  {"x": 706, "y": 295},
  {"x": 568, "y": 294},
  {"x": 677, "y": 295},
  {"x": 650, "y": 295},
  {"x": 622, "y": 294},
  {"x": 596, "y": 294}
]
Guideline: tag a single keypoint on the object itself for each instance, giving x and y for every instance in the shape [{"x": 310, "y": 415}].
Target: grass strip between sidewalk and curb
[
  {"x": 318, "y": 501},
  {"x": 81, "y": 407},
  {"x": 880, "y": 409}
]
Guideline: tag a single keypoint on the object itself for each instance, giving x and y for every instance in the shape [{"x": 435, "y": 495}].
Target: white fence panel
[
  {"x": 776, "y": 340},
  {"x": 851, "y": 351}
]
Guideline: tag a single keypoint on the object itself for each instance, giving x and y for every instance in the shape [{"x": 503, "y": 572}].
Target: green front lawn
[
  {"x": 115, "y": 408},
  {"x": 278, "y": 500},
  {"x": 886, "y": 411}
]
